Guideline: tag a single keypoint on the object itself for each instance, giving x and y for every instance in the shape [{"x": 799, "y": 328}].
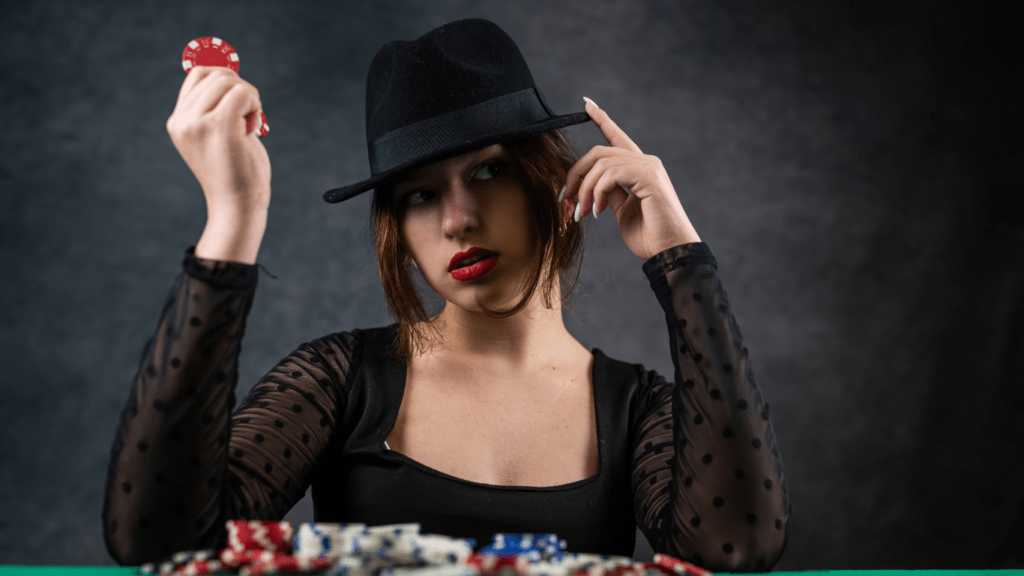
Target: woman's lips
[
  {"x": 474, "y": 271},
  {"x": 473, "y": 252}
]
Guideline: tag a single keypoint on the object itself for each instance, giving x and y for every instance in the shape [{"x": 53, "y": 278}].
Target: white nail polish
[
  {"x": 591, "y": 101},
  {"x": 594, "y": 209},
  {"x": 561, "y": 195},
  {"x": 576, "y": 216}
]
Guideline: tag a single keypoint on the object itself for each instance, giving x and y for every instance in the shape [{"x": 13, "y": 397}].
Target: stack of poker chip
[
  {"x": 545, "y": 555},
  {"x": 597, "y": 565},
  {"x": 391, "y": 550},
  {"x": 256, "y": 548}
]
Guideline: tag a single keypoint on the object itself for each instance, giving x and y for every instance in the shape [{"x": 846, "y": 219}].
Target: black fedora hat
[{"x": 462, "y": 86}]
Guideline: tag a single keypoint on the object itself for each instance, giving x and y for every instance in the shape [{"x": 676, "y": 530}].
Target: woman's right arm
[{"x": 181, "y": 463}]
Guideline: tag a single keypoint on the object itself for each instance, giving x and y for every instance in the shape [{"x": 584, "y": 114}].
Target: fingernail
[
  {"x": 561, "y": 195},
  {"x": 591, "y": 101},
  {"x": 576, "y": 216},
  {"x": 594, "y": 210}
]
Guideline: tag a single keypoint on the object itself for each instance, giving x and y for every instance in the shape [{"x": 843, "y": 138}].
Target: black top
[{"x": 692, "y": 462}]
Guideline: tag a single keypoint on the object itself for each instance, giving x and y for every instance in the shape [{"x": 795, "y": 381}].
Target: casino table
[{"x": 133, "y": 571}]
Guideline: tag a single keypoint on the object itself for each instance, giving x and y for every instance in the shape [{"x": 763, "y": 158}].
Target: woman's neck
[{"x": 522, "y": 343}]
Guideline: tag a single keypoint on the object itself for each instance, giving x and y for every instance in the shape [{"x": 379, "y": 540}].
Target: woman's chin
[{"x": 494, "y": 298}]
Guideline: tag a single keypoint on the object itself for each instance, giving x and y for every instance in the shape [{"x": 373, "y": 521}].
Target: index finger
[
  {"x": 195, "y": 75},
  {"x": 610, "y": 130}
]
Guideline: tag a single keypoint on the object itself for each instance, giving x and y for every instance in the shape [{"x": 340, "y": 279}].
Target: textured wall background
[{"x": 854, "y": 167}]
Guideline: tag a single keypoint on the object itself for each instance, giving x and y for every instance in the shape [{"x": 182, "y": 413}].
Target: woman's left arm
[{"x": 708, "y": 483}]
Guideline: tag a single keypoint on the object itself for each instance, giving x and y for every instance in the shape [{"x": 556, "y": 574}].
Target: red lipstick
[{"x": 475, "y": 270}]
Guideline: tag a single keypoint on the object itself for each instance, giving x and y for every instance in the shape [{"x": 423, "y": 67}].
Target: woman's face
[{"x": 477, "y": 200}]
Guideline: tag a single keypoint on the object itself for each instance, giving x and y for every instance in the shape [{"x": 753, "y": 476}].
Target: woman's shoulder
[
  {"x": 621, "y": 371},
  {"x": 617, "y": 372},
  {"x": 347, "y": 345}
]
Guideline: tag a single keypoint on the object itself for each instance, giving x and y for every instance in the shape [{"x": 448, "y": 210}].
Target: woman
[{"x": 489, "y": 417}]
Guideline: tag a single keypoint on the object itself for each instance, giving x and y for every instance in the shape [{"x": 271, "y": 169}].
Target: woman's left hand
[{"x": 651, "y": 218}]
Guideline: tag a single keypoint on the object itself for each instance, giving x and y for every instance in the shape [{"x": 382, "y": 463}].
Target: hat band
[{"x": 441, "y": 132}]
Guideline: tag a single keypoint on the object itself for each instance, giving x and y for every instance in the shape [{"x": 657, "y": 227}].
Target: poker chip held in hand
[
  {"x": 256, "y": 547},
  {"x": 209, "y": 51},
  {"x": 212, "y": 51}
]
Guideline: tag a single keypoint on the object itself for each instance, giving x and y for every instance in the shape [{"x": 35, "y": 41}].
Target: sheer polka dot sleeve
[
  {"x": 708, "y": 484},
  {"x": 181, "y": 463}
]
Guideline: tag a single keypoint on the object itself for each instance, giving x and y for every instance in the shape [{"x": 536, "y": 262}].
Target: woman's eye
[
  {"x": 417, "y": 197},
  {"x": 488, "y": 171},
  {"x": 492, "y": 169}
]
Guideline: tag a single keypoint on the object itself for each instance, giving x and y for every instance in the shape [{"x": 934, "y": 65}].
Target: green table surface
[{"x": 133, "y": 570}]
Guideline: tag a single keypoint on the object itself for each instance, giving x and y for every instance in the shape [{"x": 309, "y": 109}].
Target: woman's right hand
[{"x": 214, "y": 126}]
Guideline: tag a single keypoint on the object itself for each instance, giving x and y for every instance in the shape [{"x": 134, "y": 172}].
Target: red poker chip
[
  {"x": 209, "y": 51},
  {"x": 680, "y": 566},
  {"x": 264, "y": 127},
  {"x": 653, "y": 569},
  {"x": 235, "y": 558},
  {"x": 199, "y": 568},
  {"x": 260, "y": 126},
  {"x": 285, "y": 564},
  {"x": 260, "y": 535},
  {"x": 495, "y": 564},
  {"x": 212, "y": 51}
]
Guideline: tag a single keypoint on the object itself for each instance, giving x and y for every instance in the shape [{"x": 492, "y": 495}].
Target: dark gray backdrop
[{"x": 856, "y": 170}]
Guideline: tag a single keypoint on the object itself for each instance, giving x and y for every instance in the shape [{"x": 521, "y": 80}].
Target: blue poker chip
[{"x": 536, "y": 547}]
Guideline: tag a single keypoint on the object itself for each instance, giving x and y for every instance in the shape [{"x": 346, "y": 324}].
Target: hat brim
[{"x": 553, "y": 123}]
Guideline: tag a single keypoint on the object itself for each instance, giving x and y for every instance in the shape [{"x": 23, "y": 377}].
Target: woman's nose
[{"x": 461, "y": 212}]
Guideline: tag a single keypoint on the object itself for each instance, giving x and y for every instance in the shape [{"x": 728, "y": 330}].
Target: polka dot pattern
[
  {"x": 697, "y": 438},
  {"x": 721, "y": 423},
  {"x": 179, "y": 420}
]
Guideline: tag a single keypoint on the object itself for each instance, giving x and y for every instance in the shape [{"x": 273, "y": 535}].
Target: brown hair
[{"x": 545, "y": 161}]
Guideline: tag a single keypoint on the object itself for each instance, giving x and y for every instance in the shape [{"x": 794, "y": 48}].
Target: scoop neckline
[{"x": 393, "y": 456}]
